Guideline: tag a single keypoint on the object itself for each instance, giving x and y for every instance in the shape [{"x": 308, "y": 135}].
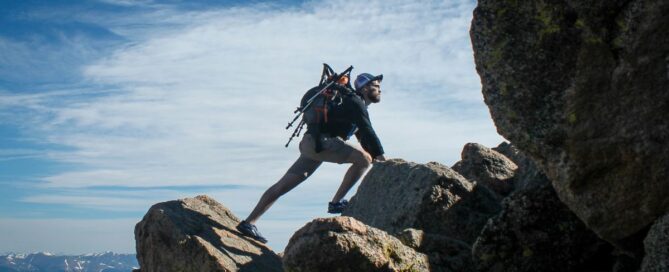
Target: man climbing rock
[{"x": 327, "y": 142}]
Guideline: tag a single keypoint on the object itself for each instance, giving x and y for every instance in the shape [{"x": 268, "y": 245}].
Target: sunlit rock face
[
  {"x": 344, "y": 244},
  {"x": 396, "y": 195},
  {"x": 198, "y": 234}
]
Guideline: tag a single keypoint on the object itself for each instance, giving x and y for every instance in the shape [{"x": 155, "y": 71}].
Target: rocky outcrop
[
  {"x": 197, "y": 234},
  {"x": 345, "y": 244},
  {"x": 431, "y": 213},
  {"x": 537, "y": 232},
  {"x": 444, "y": 254},
  {"x": 487, "y": 167},
  {"x": 581, "y": 87},
  {"x": 396, "y": 195},
  {"x": 527, "y": 176},
  {"x": 656, "y": 246}
]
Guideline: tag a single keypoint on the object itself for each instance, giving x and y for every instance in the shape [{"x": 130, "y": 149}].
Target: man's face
[{"x": 373, "y": 91}]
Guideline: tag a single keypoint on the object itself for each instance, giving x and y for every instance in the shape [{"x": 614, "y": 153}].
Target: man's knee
[
  {"x": 302, "y": 169},
  {"x": 360, "y": 158}
]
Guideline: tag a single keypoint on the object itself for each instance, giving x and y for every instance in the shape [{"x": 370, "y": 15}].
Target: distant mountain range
[{"x": 47, "y": 262}]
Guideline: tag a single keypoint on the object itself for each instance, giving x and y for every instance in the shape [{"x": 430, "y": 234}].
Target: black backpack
[{"x": 318, "y": 100}]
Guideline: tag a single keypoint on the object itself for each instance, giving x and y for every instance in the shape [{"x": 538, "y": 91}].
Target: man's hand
[{"x": 379, "y": 158}]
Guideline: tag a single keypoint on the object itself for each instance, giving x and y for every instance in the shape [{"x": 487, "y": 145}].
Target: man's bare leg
[
  {"x": 361, "y": 161},
  {"x": 285, "y": 184}
]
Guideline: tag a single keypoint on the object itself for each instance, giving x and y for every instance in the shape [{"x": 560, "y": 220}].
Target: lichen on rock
[
  {"x": 345, "y": 244},
  {"x": 581, "y": 87}
]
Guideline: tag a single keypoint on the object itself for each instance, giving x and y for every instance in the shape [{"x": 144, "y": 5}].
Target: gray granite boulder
[
  {"x": 581, "y": 87},
  {"x": 487, "y": 167},
  {"x": 198, "y": 234},
  {"x": 344, "y": 244},
  {"x": 396, "y": 195}
]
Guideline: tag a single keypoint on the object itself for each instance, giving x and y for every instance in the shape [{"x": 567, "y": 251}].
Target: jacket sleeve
[{"x": 365, "y": 134}]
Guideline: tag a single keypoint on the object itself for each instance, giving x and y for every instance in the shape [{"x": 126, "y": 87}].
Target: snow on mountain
[{"x": 47, "y": 262}]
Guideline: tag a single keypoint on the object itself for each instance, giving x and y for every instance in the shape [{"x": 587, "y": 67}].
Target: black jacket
[{"x": 349, "y": 117}]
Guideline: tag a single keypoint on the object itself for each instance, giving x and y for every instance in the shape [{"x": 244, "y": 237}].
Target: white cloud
[
  {"x": 17, "y": 153},
  {"x": 127, "y": 2},
  {"x": 206, "y": 103},
  {"x": 101, "y": 203}
]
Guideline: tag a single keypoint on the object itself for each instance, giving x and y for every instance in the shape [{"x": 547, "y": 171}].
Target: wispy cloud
[{"x": 206, "y": 103}]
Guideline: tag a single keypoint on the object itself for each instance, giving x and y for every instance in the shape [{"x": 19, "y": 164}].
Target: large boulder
[
  {"x": 198, "y": 234},
  {"x": 488, "y": 167},
  {"x": 345, "y": 244},
  {"x": 657, "y": 247},
  {"x": 581, "y": 87},
  {"x": 537, "y": 232},
  {"x": 396, "y": 195}
]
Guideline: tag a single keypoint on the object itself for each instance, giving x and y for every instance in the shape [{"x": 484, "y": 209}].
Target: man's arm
[
  {"x": 378, "y": 158},
  {"x": 366, "y": 134}
]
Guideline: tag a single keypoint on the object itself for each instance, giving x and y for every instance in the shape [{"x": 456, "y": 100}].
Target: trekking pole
[
  {"x": 296, "y": 133},
  {"x": 294, "y": 119},
  {"x": 311, "y": 100},
  {"x": 301, "y": 109},
  {"x": 335, "y": 79}
]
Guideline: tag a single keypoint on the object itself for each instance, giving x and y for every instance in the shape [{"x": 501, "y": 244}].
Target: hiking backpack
[{"x": 317, "y": 101}]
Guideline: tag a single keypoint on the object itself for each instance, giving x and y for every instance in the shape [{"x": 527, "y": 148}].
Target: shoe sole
[{"x": 264, "y": 241}]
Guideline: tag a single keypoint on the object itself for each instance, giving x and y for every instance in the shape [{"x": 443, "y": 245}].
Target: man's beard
[{"x": 375, "y": 98}]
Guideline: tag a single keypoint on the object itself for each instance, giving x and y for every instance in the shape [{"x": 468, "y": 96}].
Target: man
[{"x": 351, "y": 117}]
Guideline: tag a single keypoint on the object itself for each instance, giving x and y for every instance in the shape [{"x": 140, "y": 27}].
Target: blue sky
[{"x": 110, "y": 106}]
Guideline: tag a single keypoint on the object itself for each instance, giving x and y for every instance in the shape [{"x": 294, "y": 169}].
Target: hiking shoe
[
  {"x": 250, "y": 230},
  {"x": 337, "y": 207}
]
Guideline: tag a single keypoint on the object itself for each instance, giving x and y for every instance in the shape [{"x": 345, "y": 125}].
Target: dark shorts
[{"x": 335, "y": 150}]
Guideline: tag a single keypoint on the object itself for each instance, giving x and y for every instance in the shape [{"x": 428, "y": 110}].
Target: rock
[
  {"x": 396, "y": 195},
  {"x": 412, "y": 238},
  {"x": 536, "y": 232},
  {"x": 198, "y": 234},
  {"x": 487, "y": 167},
  {"x": 444, "y": 254},
  {"x": 581, "y": 87},
  {"x": 656, "y": 246},
  {"x": 624, "y": 262},
  {"x": 528, "y": 176},
  {"x": 345, "y": 244}
]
